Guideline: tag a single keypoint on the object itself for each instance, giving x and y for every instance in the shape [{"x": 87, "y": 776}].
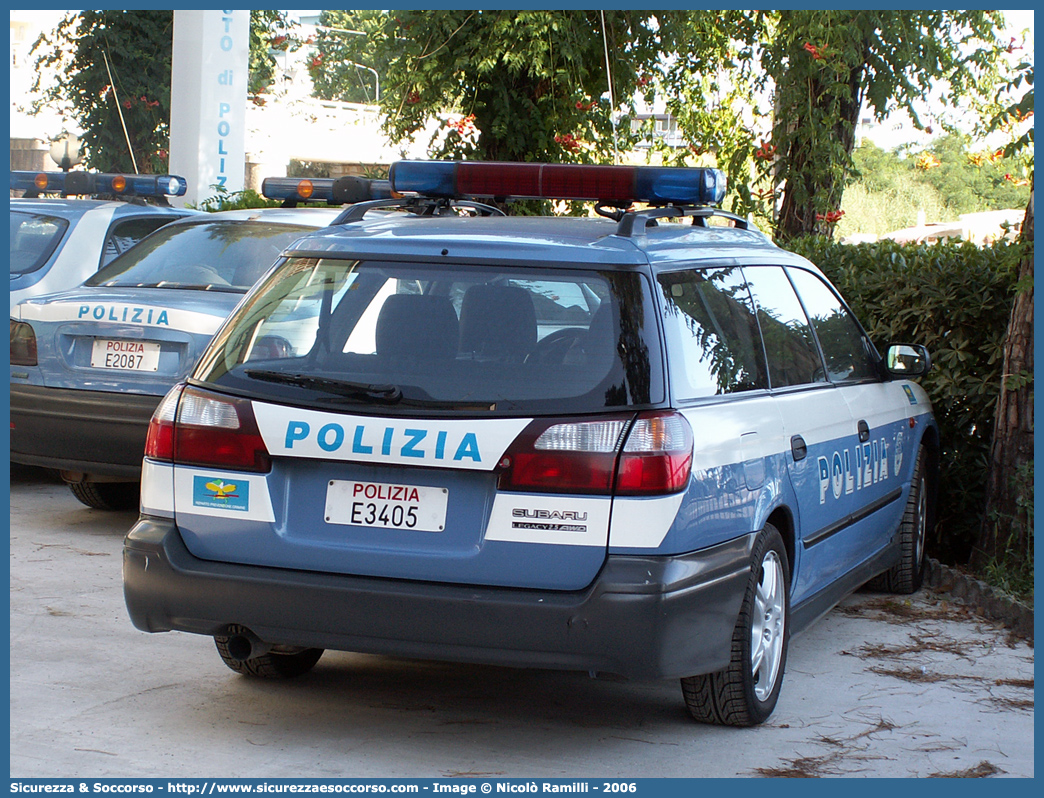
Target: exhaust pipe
[{"x": 242, "y": 644}]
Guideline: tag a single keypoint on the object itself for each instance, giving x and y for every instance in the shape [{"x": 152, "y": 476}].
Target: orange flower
[
  {"x": 817, "y": 53},
  {"x": 765, "y": 152},
  {"x": 927, "y": 161},
  {"x": 568, "y": 142}
]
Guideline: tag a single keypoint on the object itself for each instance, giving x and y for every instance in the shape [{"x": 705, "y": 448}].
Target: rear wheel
[
  {"x": 745, "y": 693},
  {"x": 107, "y": 495},
  {"x": 908, "y": 574},
  {"x": 282, "y": 662}
]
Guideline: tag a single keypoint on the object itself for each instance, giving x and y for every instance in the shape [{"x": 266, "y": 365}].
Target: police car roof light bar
[
  {"x": 609, "y": 184},
  {"x": 36, "y": 183},
  {"x": 340, "y": 191},
  {"x": 297, "y": 189}
]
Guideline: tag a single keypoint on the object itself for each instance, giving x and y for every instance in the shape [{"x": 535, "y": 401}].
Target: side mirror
[{"x": 907, "y": 360}]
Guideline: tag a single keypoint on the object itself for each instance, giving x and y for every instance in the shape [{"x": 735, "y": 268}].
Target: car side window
[
  {"x": 33, "y": 238},
  {"x": 123, "y": 235},
  {"x": 790, "y": 347},
  {"x": 710, "y": 316},
  {"x": 846, "y": 349}
]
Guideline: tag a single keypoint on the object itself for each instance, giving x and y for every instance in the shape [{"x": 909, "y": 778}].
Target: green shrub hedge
[{"x": 955, "y": 299}]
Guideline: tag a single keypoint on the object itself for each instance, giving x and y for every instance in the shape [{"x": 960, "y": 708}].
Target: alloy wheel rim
[
  {"x": 767, "y": 627},
  {"x": 922, "y": 524}
]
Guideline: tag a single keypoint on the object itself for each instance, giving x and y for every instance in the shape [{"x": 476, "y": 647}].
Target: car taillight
[
  {"x": 159, "y": 442},
  {"x": 590, "y": 457},
  {"x": 563, "y": 457},
  {"x": 657, "y": 457},
  {"x": 207, "y": 430},
  {"x": 23, "y": 344}
]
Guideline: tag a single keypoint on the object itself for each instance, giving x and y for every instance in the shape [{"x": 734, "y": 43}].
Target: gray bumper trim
[
  {"x": 642, "y": 618},
  {"x": 93, "y": 432}
]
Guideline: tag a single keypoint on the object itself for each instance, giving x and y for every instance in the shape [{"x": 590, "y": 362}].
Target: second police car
[
  {"x": 82, "y": 222},
  {"x": 90, "y": 364},
  {"x": 622, "y": 445}
]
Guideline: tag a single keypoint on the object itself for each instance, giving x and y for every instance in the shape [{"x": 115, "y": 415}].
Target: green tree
[
  {"x": 345, "y": 65},
  {"x": 707, "y": 86},
  {"x": 520, "y": 85},
  {"x": 826, "y": 65},
  {"x": 890, "y": 188},
  {"x": 970, "y": 180},
  {"x": 270, "y": 31},
  {"x": 98, "y": 65},
  {"x": 74, "y": 65},
  {"x": 1006, "y": 536}
]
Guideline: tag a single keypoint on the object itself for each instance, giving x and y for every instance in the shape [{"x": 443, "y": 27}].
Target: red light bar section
[{"x": 537, "y": 180}]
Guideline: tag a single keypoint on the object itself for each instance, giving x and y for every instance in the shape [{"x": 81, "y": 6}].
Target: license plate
[
  {"x": 125, "y": 355},
  {"x": 387, "y": 506}
]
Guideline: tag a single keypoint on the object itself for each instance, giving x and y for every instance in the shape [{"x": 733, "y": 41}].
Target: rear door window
[
  {"x": 408, "y": 336},
  {"x": 712, "y": 331},
  {"x": 126, "y": 233},
  {"x": 33, "y": 239},
  {"x": 790, "y": 346}
]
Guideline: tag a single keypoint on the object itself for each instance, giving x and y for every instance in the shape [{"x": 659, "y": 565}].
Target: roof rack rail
[
  {"x": 633, "y": 223},
  {"x": 421, "y": 206}
]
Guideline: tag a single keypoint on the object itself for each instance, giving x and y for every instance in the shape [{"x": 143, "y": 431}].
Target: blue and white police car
[
  {"x": 57, "y": 242},
  {"x": 89, "y": 365},
  {"x": 649, "y": 445}
]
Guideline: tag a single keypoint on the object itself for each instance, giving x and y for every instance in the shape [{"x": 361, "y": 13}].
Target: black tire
[
  {"x": 742, "y": 694},
  {"x": 907, "y": 575},
  {"x": 275, "y": 664},
  {"x": 107, "y": 495}
]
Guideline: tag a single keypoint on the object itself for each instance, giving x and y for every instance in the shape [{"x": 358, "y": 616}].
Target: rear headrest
[
  {"x": 418, "y": 327},
  {"x": 497, "y": 321},
  {"x": 600, "y": 341}
]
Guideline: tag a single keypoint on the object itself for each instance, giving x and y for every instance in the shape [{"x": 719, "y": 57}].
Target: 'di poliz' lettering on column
[{"x": 224, "y": 78}]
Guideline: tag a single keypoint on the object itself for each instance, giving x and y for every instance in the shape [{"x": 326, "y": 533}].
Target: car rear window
[
  {"x": 214, "y": 256},
  {"x": 415, "y": 337},
  {"x": 33, "y": 239}
]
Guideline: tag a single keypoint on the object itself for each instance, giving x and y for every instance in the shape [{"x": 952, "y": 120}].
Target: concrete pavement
[{"x": 883, "y": 686}]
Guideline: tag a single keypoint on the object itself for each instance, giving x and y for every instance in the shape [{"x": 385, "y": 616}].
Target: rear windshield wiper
[{"x": 389, "y": 394}]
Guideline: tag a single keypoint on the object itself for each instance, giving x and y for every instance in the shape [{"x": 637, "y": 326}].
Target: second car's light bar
[
  {"x": 655, "y": 185},
  {"x": 92, "y": 183},
  {"x": 340, "y": 191}
]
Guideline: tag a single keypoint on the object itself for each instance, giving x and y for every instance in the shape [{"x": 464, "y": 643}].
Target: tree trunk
[
  {"x": 1006, "y": 531},
  {"x": 810, "y": 188}
]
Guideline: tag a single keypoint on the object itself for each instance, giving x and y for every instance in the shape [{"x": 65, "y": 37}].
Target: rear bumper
[
  {"x": 86, "y": 431},
  {"x": 642, "y": 618}
]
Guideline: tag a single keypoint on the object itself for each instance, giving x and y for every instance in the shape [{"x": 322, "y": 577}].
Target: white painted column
[{"x": 209, "y": 71}]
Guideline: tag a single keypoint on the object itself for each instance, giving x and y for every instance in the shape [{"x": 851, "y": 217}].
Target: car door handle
[
  {"x": 864, "y": 431},
  {"x": 798, "y": 448}
]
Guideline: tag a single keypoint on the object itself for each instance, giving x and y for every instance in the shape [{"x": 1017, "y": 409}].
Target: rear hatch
[
  {"x": 129, "y": 340},
  {"x": 442, "y": 423}
]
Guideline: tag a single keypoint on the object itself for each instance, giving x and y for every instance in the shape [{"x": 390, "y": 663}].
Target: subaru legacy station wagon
[
  {"x": 83, "y": 221},
  {"x": 650, "y": 444}
]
